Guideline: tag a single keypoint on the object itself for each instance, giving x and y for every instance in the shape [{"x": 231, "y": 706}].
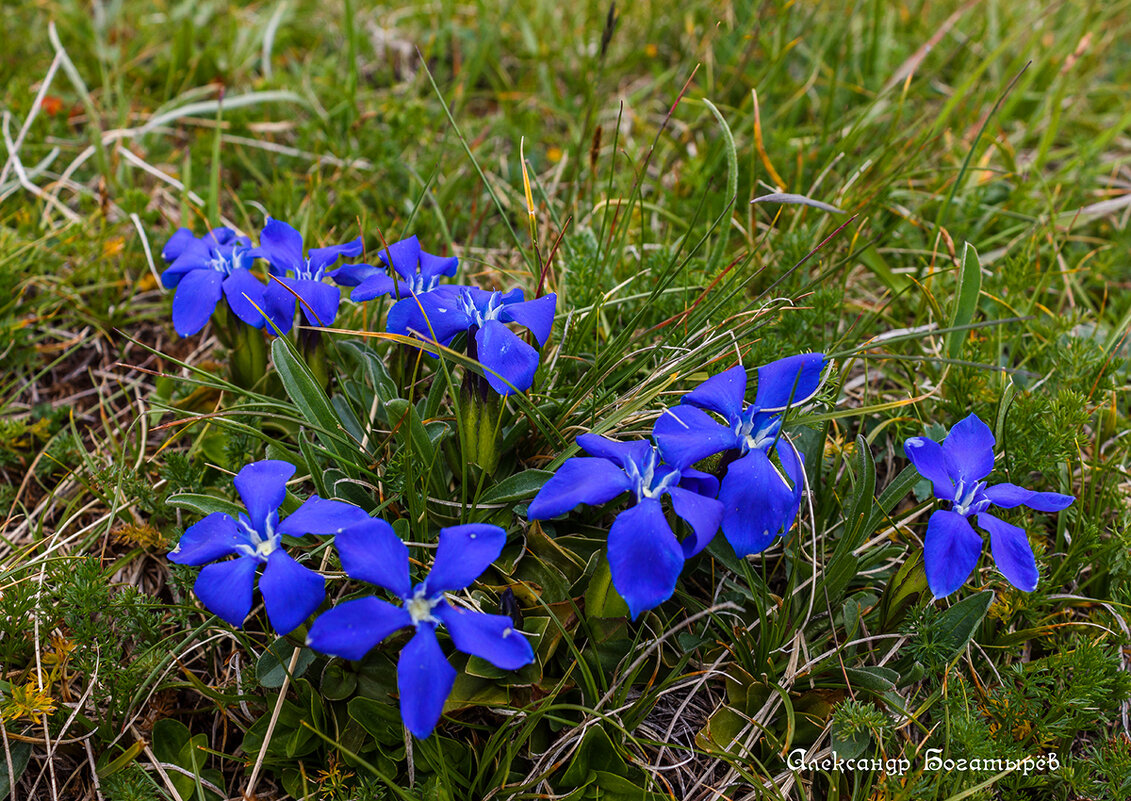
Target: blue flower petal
[
  {"x": 404, "y": 317},
  {"x": 226, "y": 588},
  {"x": 318, "y": 302},
  {"x": 483, "y": 297},
  {"x": 195, "y": 255},
  {"x": 793, "y": 465},
  {"x": 281, "y": 245},
  {"x": 207, "y": 540},
  {"x": 424, "y": 679},
  {"x": 790, "y": 381},
  {"x": 703, "y": 515},
  {"x": 1008, "y": 495},
  {"x": 353, "y": 628},
  {"x": 405, "y": 256},
  {"x": 290, "y": 591},
  {"x": 930, "y": 460},
  {"x": 172, "y": 275},
  {"x": 177, "y": 243},
  {"x": 699, "y": 482},
  {"x": 462, "y": 554},
  {"x": 508, "y": 363},
  {"x": 969, "y": 449},
  {"x": 1012, "y": 552},
  {"x": 645, "y": 558},
  {"x": 579, "y": 480},
  {"x": 950, "y": 551},
  {"x": 622, "y": 453},
  {"x": 756, "y": 504},
  {"x": 321, "y": 258},
  {"x": 373, "y": 286},
  {"x": 197, "y": 295},
  {"x": 262, "y": 487},
  {"x": 536, "y": 315},
  {"x": 371, "y": 551},
  {"x": 490, "y": 637},
  {"x": 685, "y": 435},
  {"x": 437, "y": 315},
  {"x": 244, "y": 292},
  {"x": 354, "y": 274},
  {"x": 218, "y": 237},
  {"x": 724, "y": 393},
  {"x": 432, "y": 267},
  {"x": 279, "y": 304},
  {"x": 323, "y": 517}
]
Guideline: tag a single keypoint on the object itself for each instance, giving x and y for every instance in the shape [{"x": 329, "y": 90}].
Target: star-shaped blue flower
[
  {"x": 508, "y": 362},
  {"x": 373, "y": 553},
  {"x": 290, "y": 591},
  {"x": 205, "y": 269},
  {"x": 957, "y": 469},
  {"x": 300, "y": 275},
  {"x": 760, "y": 504},
  {"x": 645, "y": 557},
  {"x": 416, "y": 272}
]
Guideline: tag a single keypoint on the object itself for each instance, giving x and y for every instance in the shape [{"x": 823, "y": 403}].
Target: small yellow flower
[{"x": 28, "y": 701}]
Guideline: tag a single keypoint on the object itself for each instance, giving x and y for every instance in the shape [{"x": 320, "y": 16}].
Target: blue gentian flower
[
  {"x": 759, "y": 502},
  {"x": 645, "y": 557},
  {"x": 439, "y": 315},
  {"x": 416, "y": 272},
  {"x": 290, "y": 591},
  {"x": 207, "y": 268},
  {"x": 373, "y": 553},
  {"x": 301, "y": 275},
  {"x": 957, "y": 469}
]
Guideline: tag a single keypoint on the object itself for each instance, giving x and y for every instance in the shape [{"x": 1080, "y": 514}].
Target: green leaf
[
  {"x": 307, "y": 394},
  {"x": 722, "y": 729},
  {"x": 169, "y": 737},
  {"x": 120, "y": 761},
  {"x": 848, "y": 744},
  {"x": 382, "y": 721},
  {"x": 965, "y": 300},
  {"x": 519, "y": 487},
  {"x": 21, "y": 753},
  {"x": 893, "y": 493},
  {"x": 375, "y": 370},
  {"x": 271, "y": 669},
  {"x": 863, "y": 496},
  {"x": 410, "y": 431},
  {"x": 338, "y": 683},
  {"x": 469, "y": 690},
  {"x": 878, "y": 680},
  {"x": 963, "y": 618},
  {"x": 204, "y": 504},
  {"x": 596, "y": 752},
  {"x": 601, "y": 597},
  {"x": 618, "y": 787},
  {"x": 909, "y": 583},
  {"x": 173, "y": 744}
]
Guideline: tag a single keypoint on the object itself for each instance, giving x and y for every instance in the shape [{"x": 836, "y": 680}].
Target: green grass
[{"x": 932, "y": 125}]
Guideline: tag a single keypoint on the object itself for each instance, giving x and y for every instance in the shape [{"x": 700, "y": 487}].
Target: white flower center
[
  {"x": 645, "y": 483},
  {"x": 226, "y": 260},
  {"x": 966, "y": 498},
  {"x": 494, "y": 307},
  {"x": 756, "y": 439},
  {"x": 259, "y": 545},
  {"x": 305, "y": 273},
  {"x": 420, "y": 607}
]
